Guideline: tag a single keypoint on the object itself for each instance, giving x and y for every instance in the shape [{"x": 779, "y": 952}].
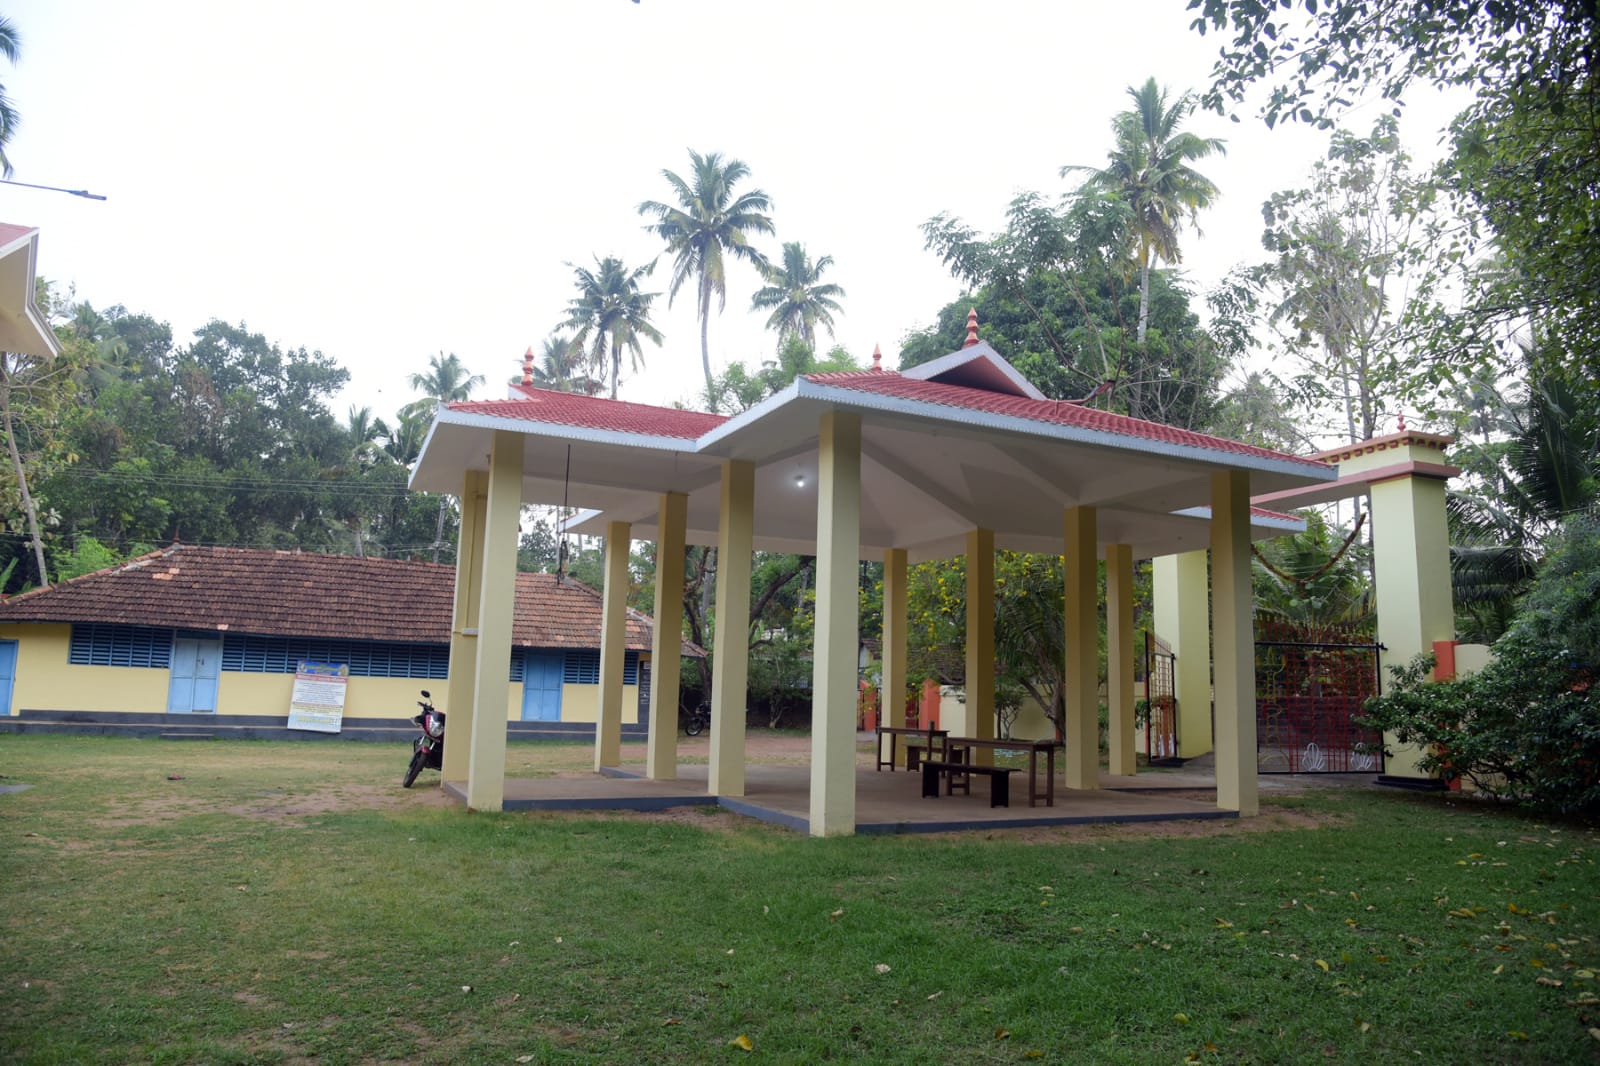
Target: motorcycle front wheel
[
  {"x": 417, "y": 759},
  {"x": 693, "y": 725}
]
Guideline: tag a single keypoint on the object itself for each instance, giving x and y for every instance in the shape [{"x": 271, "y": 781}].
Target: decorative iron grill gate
[
  {"x": 1310, "y": 685},
  {"x": 1161, "y": 699}
]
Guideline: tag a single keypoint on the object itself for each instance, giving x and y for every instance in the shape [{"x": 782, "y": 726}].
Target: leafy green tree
[
  {"x": 611, "y": 315},
  {"x": 1524, "y": 164},
  {"x": 87, "y": 556},
  {"x": 797, "y": 296},
  {"x": 707, "y": 224},
  {"x": 33, "y": 390},
  {"x": 1313, "y": 580},
  {"x": 739, "y": 388},
  {"x": 1339, "y": 255},
  {"x": 1050, "y": 295},
  {"x": 1149, "y": 171},
  {"x": 1519, "y": 488}
]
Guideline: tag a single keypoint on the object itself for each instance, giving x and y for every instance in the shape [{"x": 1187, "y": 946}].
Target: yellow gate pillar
[
  {"x": 1119, "y": 658},
  {"x": 1181, "y": 606},
  {"x": 896, "y": 618},
  {"x": 834, "y": 667},
  {"x": 730, "y": 668},
  {"x": 666, "y": 643},
  {"x": 1410, "y": 563},
  {"x": 464, "y": 628},
  {"x": 486, "y": 762},
  {"x": 980, "y": 640},
  {"x": 613, "y": 647},
  {"x": 1233, "y": 638},
  {"x": 1082, "y": 728}
]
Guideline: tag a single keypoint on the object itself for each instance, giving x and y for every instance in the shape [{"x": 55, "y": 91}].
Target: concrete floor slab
[{"x": 886, "y": 801}]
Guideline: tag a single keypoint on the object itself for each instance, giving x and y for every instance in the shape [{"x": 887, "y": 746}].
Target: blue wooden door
[
  {"x": 195, "y": 665},
  {"x": 541, "y": 686},
  {"x": 8, "y": 674}
]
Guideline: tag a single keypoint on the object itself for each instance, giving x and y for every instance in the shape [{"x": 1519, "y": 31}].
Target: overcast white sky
[{"x": 383, "y": 181}]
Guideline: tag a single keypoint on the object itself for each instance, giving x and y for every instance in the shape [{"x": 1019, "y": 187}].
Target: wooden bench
[
  {"x": 930, "y": 738},
  {"x": 999, "y": 780}
]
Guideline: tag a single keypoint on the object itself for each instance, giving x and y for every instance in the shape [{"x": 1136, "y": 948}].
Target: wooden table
[
  {"x": 959, "y": 749},
  {"x": 894, "y": 732}
]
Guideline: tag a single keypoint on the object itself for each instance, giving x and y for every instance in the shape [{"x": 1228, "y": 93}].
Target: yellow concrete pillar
[
  {"x": 613, "y": 647},
  {"x": 666, "y": 645},
  {"x": 1233, "y": 641},
  {"x": 896, "y": 622},
  {"x": 834, "y": 664},
  {"x": 980, "y": 639},
  {"x": 1182, "y": 608},
  {"x": 1411, "y": 572},
  {"x": 486, "y": 762},
  {"x": 730, "y": 666},
  {"x": 464, "y": 628},
  {"x": 1082, "y": 729},
  {"x": 1119, "y": 657}
]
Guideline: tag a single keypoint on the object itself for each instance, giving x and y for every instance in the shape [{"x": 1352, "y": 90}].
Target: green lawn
[{"x": 289, "y": 903}]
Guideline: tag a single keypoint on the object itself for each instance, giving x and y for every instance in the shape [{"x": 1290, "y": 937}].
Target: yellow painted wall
[
  {"x": 581, "y": 703},
  {"x": 46, "y": 683},
  {"x": 1471, "y": 658}
]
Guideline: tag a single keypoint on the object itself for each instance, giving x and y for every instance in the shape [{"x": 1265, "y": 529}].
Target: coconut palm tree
[
  {"x": 797, "y": 296},
  {"x": 560, "y": 368},
  {"x": 1149, "y": 170},
  {"x": 611, "y": 314},
  {"x": 447, "y": 379},
  {"x": 706, "y": 225},
  {"x": 11, "y": 48}
]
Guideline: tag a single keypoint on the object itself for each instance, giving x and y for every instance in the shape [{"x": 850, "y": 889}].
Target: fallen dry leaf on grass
[
  {"x": 743, "y": 1043},
  {"x": 882, "y": 967}
]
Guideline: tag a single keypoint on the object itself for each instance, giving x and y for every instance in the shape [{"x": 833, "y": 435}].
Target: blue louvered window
[
  {"x": 583, "y": 668},
  {"x": 281, "y": 655},
  {"x": 108, "y": 645}
]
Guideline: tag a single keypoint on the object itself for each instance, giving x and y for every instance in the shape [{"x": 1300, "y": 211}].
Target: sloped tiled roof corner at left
[
  {"x": 594, "y": 412},
  {"x": 303, "y": 594}
]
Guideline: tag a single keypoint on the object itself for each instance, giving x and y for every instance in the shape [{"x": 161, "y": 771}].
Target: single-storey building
[{"x": 220, "y": 632}]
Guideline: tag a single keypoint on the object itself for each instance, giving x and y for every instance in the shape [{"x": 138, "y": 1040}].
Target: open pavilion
[{"x": 960, "y": 455}]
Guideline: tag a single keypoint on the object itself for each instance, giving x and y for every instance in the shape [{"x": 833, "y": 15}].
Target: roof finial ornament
[
  {"x": 877, "y": 357},
  {"x": 972, "y": 328},
  {"x": 527, "y": 366},
  {"x": 1402, "y": 421}
]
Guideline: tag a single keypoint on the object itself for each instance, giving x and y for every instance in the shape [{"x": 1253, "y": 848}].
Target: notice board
[{"x": 317, "y": 703}]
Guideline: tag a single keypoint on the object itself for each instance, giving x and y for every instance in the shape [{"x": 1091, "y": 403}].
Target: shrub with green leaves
[{"x": 1528, "y": 726}]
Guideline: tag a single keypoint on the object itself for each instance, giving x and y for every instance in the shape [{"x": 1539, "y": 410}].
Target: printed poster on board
[{"x": 317, "y": 703}]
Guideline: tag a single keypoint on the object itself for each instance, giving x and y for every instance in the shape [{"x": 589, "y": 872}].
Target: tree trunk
[
  {"x": 705, "y": 321},
  {"x": 438, "y": 528},
  {"x": 22, "y": 477},
  {"x": 1144, "y": 295},
  {"x": 616, "y": 366}
]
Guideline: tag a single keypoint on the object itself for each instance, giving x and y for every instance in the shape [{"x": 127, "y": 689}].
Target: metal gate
[
  {"x": 1161, "y": 699},
  {"x": 1310, "y": 685}
]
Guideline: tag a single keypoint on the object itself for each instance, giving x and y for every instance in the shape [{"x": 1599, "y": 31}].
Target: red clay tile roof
[
  {"x": 274, "y": 593},
  {"x": 10, "y": 232},
  {"x": 1054, "y": 412},
  {"x": 594, "y": 412}
]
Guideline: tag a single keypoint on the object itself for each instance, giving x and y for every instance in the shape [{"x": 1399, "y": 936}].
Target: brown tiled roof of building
[{"x": 301, "y": 594}]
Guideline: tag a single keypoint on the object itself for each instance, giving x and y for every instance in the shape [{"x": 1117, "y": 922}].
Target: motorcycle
[{"x": 428, "y": 749}]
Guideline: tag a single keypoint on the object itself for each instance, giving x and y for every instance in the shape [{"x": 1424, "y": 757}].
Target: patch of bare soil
[{"x": 339, "y": 799}]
